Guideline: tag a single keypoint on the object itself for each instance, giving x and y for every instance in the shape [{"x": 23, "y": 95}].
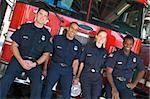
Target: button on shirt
[
  {"x": 123, "y": 65},
  {"x": 32, "y": 41},
  {"x": 93, "y": 57},
  {"x": 65, "y": 50}
]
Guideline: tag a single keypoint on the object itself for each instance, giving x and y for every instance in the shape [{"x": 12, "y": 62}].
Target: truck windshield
[{"x": 119, "y": 15}]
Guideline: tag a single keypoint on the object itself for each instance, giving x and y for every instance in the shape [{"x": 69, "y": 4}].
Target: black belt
[
  {"x": 29, "y": 58},
  {"x": 63, "y": 65},
  {"x": 60, "y": 63}
]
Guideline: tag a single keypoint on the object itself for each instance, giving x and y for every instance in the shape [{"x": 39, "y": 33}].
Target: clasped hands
[{"x": 27, "y": 64}]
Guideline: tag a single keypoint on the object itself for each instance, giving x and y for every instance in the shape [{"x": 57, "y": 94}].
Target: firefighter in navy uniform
[
  {"x": 31, "y": 47},
  {"x": 92, "y": 61},
  {"x": 64, "y": 62},
  {"x": 120, "y": 66}
]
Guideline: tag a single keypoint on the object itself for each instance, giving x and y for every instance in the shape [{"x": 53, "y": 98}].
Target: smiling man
[
  {"x": 120, "y": 66},
  {"x": 64, "y": 63},
  {"x": 31, "y": 47}
]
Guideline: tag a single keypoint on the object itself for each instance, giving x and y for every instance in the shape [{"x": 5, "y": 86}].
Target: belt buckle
[
  {"x": 93, "y": 70},
  {"x": 63, "y": 65},
  {"x": 121, "y": 78}
]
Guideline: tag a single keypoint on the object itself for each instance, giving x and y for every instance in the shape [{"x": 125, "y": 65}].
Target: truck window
[
  {"x": 118, "y": 15},
  {"x": 72, "y": 8}
]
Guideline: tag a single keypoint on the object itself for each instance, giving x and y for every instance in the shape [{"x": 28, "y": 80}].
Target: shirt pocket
[
  {"x": 90, "y": 58},
  {"x": 25, "y": 41},
  {"x": 119, "y": 64},
  {"x": 132, "y": 63},
  {"x": 39, "y": 46},
  {"x": 58, "y": 50}
]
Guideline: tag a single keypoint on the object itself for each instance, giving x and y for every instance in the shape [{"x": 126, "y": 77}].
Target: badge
[
  {"x": 75, "y": 48},
  {"x": 134, "y": 59},
  {"x": 104, "y": 56},
  {"x": 93, "y": 70},
  {"x": 43, "y": 38}
]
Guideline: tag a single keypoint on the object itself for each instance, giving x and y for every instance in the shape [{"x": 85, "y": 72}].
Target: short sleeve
[
  {"x": 78, "y": 55},
  {"x": 83, "y": 54},
  {"x": 16, "y": 36},
  {"x": 140, "y": 66},
  {"x": 49, "y": 47},
  {"x": 110, "y": 61}
]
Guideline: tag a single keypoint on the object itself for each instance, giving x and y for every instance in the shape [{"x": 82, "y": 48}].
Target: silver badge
[
  {"x": 104, "y": 56},
  {"x": 134, "y": 59},
  {"x": 75, "y": 48},
  {"x": 43, "y": 38}
]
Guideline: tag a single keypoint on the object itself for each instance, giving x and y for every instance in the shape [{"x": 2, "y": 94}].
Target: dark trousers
[
  {"x": 13, "y": 70},
  {"x": 56, "y": 73},
  {"x": 91, "y": 84},
  {"x": 124, "y": 91}
]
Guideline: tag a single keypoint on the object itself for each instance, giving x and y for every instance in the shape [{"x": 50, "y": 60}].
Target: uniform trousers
[{"x": 13, "y": 70}]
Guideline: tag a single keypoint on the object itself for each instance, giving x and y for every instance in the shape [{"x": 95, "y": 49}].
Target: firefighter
[
  {"x": 64, "y": 62},
  {"x": 31, "y": 47},
  {"x": 92, "y": 61},
  {"x": 120, "y": 66}
]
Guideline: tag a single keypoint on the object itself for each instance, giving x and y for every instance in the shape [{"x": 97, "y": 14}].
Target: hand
[
  {"x": 25, "y": 64},
  {"x": 44, "y": 73},
  {"x": 131, "y": 85},
  {"x": 115, "y": 93},
  {"x": 31, "y": 64},
  {"x": 75, "y": 81}
]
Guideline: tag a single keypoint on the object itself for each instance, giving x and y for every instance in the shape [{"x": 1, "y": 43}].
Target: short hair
[
  {"x": 74, "y": 23},
  {"x": 43, "y": 9},
  {"x": 100, "y": 32},
  {"x": 128, "y": 37}
]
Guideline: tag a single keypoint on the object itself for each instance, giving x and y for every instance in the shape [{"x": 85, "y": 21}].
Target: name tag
[
  {"x": 119, "y": 63},
  {"x": 59, "y": 47},
  {"x": 25, "y": 37},
  {"x": 89, "y": 55}
]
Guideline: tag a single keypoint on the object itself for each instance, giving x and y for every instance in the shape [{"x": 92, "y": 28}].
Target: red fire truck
[{"x": 117, "y": 17}]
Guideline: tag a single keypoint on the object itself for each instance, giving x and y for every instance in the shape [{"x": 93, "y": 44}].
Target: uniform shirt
[
  {"x": 123, "y": 65},
  {"x": 32, "y": 41},
  {"x": 65, "y": 50},
  {"x": 93, "y": 57}
]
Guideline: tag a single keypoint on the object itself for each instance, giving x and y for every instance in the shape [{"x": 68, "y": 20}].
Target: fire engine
[{"x": 117, "y": 17}]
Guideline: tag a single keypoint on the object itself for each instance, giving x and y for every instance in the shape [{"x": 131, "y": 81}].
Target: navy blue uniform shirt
[
  {"x": 93, "y": 57},
  {"x": 65, "y": 50},
  {"x": 123, "y": 65},
  {"x": 32, "y": 41}
]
